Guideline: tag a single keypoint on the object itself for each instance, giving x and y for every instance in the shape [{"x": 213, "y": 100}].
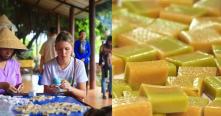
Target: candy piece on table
[
  {"x": 150, "y": 72},
  {"x": 126, "y": 22},
  {"x": 169, "y": 46},
  {"x": 197, "y": 71},
  {"x": 217, "y": 50},
  {"x": 166, "y": 27},
  {"x": 119, "y": 86},
  {"x": 135, "y": 53},
  {"x": 131, "y": 107},
  {"x": 165, "y": 99},
  {"x": 149, "y": 8},
  {"x": 206, "y": 22},
  {"x": 212, "y": 6},
  {"x": 119, "y": 27},
  {"x": 136, "y": 19},
  {"x": 117, "y": 65},
  {"x": 191, "y": 85},
  {"x": 137, "y": 36},
  {"x": 214, "y": 108},
  {"x": 195, "y": 59},
  {"x": 172, "y": 69},
  {"x": 133, "y": 19},
  {"x": 180, "y": 2},
  {"x": 201, "y": 39},
  {"x": 195, "y": 108},
  {"x": 182, "y": 14},
  {"x": 213, "y": 87}
]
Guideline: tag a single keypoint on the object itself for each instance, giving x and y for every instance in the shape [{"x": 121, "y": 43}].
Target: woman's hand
[
  {"x": 65, "y": 85},
  {"x": 9, "y": 88},
  {"x": 51, "y": 89},
  {"x": 20, "y": 87}
]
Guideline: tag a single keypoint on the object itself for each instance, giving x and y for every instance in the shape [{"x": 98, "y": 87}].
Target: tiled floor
[{"x": 94, "y": 97}]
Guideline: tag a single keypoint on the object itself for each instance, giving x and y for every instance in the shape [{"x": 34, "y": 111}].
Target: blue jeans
[{"x": 106, "y": 76}]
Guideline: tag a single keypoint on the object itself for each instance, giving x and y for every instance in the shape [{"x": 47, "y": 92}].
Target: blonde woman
[{"x": 66, "y": 68}]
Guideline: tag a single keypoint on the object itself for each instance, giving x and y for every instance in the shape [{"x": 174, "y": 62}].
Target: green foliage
[{"x": 83, "y": 24}]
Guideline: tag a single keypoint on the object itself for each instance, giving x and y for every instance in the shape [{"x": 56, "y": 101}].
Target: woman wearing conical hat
[{"x": 10, "y": 76}]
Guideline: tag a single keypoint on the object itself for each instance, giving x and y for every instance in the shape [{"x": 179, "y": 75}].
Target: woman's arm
[
  {"x": 8, "y": 87},
  {"x": 79, "y": 91}
]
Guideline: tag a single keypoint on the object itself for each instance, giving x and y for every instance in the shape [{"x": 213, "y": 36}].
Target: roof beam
[
  {"x": 53, "y": 9},
  {"x": 64, "y": 2},
  {"x": 87, "y": 7}
]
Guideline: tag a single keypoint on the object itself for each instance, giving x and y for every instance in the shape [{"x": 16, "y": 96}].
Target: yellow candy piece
[
  {"x": 201, "y": 39},
  {"x": 150, "y": 72},
  {"x": 165, "y": 99},
  {"x": 214, "y": 108},
  {"x": 182, "y": 14},
  {"x": 131, "y": 107}
]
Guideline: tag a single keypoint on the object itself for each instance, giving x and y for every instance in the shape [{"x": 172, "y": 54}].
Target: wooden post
[
  {"x": 58, "y": 24},
  {"x": 71, "y": 21},
  {"x": 92, "y": 74}
]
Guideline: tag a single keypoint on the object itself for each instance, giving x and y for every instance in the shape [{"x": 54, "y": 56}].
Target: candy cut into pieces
[
  {"x": 119, "y": 27},
  {"x": 131, "y": 107},
  {"x": 197, "y": 71},
  {"x": 213, "y": 87},
  {"x": 165, "y": 99},
  {"x": 201, "y": 39},
  {"x": 206, "y": 22},
  {"x": 166, "y": 27},
  {"x": 172, "y": 69},
  {"x": 214, "y": 108},
  {"x": 182, "y": 14},
  {"x": 117, "y": 65},
  {"x": 119, "y": 86},
  {"x": 135, "y": 53},
  {"x": 148, "y": 8},
  {"x": 169, "y": 46},
  {"x": 137, "y": 36},
  {"x": 212, "y": 6},
  {"x": 180, "y": 2},
  {"x": 190, "y": 84},
  {"x": 134, "y": 19},
  {"x": 195, "y": 108},
  {"x": 150, "y": 72},
  {"x": 195, "y": 59}
]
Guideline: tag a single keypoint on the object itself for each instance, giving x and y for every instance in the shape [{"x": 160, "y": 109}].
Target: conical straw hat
[
  {"x": 9, "y": 40},
  {"x": 4, "y": 20}
]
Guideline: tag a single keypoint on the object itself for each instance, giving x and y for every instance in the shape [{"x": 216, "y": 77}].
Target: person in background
[
  {"x": 65, "y": 71},
  {"x": 82, "y": 49},
  {"x": 47, "y": 51},
  {"x": 106, "y": 66},
  {"x": 10, "y": 76}
]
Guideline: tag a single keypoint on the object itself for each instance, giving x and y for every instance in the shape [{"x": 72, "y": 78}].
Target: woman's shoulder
[{"x": 78, "y": 62}]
